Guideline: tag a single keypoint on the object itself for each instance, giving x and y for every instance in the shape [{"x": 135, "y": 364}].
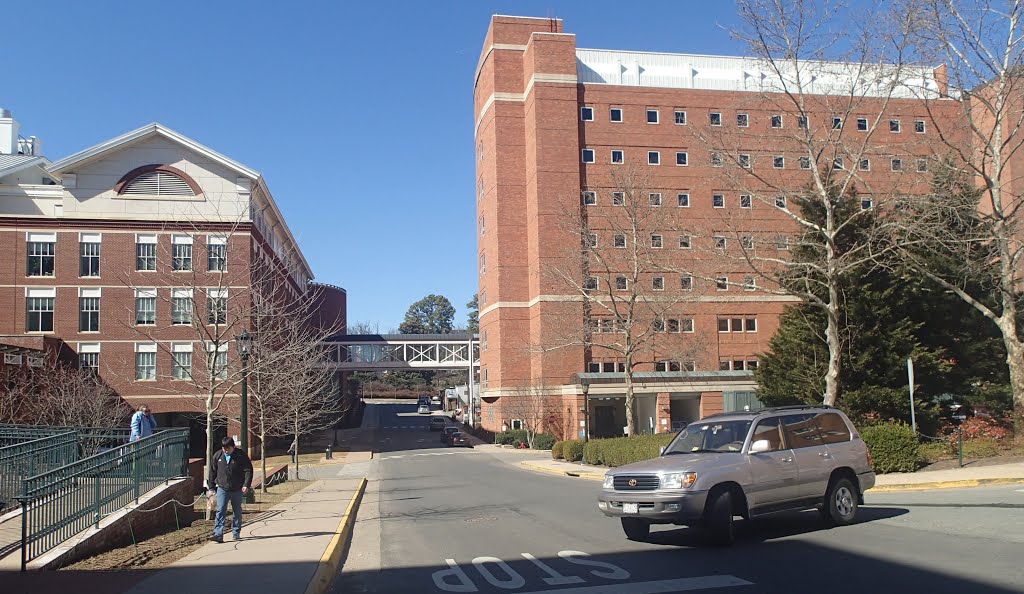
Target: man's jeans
[{"x": 236, "y": 512}]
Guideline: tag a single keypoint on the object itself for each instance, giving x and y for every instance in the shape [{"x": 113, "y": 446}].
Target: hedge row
[
  {"x": 616, "y": 451},
  {"x": 894, "y": 447}
]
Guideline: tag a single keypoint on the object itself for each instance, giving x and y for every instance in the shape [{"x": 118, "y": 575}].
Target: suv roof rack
[{"x": 771, "y": 409}]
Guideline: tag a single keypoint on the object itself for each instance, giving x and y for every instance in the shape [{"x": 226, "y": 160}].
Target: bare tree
[
  {"x": 967, "y": 236},
  {"x": 71, "y": 397},
  {"x": 828, "y": 115},
  {"x": 529, "y": 405},
  {"x": 289, "y": 375},
  {"x": 18, "y": 390},
  {"x": 631, "y": 310}
]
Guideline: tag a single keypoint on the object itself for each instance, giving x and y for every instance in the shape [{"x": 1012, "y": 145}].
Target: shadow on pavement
[{"x": 766, "y": 529}]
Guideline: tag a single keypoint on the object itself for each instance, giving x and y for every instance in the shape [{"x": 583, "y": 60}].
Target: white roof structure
[
  {"x": 11, "y": 164},
  {"x": 727, "y": 73},
  {"x": 155, "y": 129}
]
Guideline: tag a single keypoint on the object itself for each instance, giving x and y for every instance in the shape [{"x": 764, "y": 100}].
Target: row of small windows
[
  {"x": 686, "y": 283},
  {"x": 146, "y": 360},
  {"x": 653, "y": 116},
  {"x": 672, "y": 365},
  {"x": 41, "y": 251},
  {"x": 39, "y": 308},
  {"x": 657, "y": 241},
  {"x": 744, "y": 160},
  {"x": 683, "y": 200}
]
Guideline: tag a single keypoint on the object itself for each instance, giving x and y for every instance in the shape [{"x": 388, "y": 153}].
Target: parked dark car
[
  {"x": 437, "y": 423},
  {"x": 447, "y": 431},
  {"x": 459, "y": 439}
]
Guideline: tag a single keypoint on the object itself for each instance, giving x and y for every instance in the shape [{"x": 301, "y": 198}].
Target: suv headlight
[
  {"x": 609, "y": 482},
  {"x": 678, "y": 480}
]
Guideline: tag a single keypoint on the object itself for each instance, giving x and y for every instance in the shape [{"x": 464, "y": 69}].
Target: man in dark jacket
[{"x": 231, "y": 475}]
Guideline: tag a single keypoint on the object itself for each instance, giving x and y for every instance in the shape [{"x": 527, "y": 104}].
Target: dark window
[
  {"x": 681, "y": 159},
  {"x": 716, "y": 119},
  {"x": 776, "y": 121},
  {"x": 686, "y": 283},
  {"x": 658, "y": 284},
  {"x": 894, "y": 125},
  {"x": 40, "y": 258},
  {"x": 89, "y": 314},
  {"x": 745, "y": 201},
  {"x": 801, "y": 122},
  {"x": 683, "y": 200},
  {"x": 723, "y": 324},
  {"x": 89, "y": 361},
  {"x": 217, "y": 309},
  {"x": 742, "y": 120},
  {"x": 801, "y": 431},
  {"x": 216, "y": 259},
  {"x": 618, "y": 198},
  {"x": 617, "y": 156},
  {"x": 919, "y": 126},
  {"x": 588, "y": 155},
  {"x": 615, "y": 114},
  {"x": 590, "y": 198},
  {"x": 832, "y": 428},
  {"x": 770, "y": 430},
  {"x": 587, "y": 114},
  {"x": 89, "y": 259},
  {"x": 181, "y": 256},
  {"x": 680, "y": 117},
  {"x": 145, "y": 256},
  {"x": 652, "y": 116},
  {"x": 805, "y": 162},
  {"x": 653, "y": 158},
  {"x": 862, "y": 124},
  {"x": 39, "y": 314},
  {"x": 621, "y": 283},
  {"x": 718, "y": 200}
]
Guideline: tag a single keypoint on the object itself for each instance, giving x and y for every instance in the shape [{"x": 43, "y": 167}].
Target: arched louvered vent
[{"x": 158, "y": 183}]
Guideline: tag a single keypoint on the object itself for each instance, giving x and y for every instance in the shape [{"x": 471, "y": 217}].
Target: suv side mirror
[
  {"x": 661, "y": 450},
  {"x": 760, "y": 446}
]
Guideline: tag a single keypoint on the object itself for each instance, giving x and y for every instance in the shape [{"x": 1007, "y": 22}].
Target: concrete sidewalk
[
  {"x": 280, "y": 551},
  {"x": 897, "y": 481}
]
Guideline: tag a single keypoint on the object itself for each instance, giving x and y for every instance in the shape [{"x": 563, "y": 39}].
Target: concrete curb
[
  {"x": 583, "y": 475},
  {"x": 329, "y": 561},
  {"x": 947, "y": 485}
]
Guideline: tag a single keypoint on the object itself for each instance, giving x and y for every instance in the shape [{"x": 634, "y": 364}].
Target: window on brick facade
[
  {"x": 747, "y": 242},
  {"x": 716, "y": 159},
  {"x": 590, "y": 283},
  {"x": 922, "y": 165},
  {"x": 145, "y": 307},
  {"x": 719, "y": 242},
  {"x": 744, "y": 161},
  {"x": 722, "y": 283},
  {"x": 615, "y": 114},
  {"x": 89, "y": 255},
  {"x": 145, "y": 361},
  {"x": 216, "y": 253},
  {"x": 653, "y": 158},
  {"x": 587, "y": 114},
  {"x": 619, "y": 240},
  {"x": 683, "y": 200},
  {"x": 780, "y": 201},
  {"x": 776, "y": 121},
  {"x": 718, "y": 200},
  {"x": 145, "y": 252},
  {"x": 658, "y": 283},
  {"x": 805, "y": 162},
  {"x": 217, "y": 361},
  {"x": 181, "y": 361},
  {"x": 919, "y": 126},
  {"x": 779, "y": 162},
  {"x": 621, "y": 283},
  {"x": 864, "y": 165},
  {"x": 88, "y": 312},
  {"x": 618, "y": 198},
  {"x": 617, "y": 156},
  {"x": 897, "y": 164},
  {"x": 838, "y": 163},
  {"x": 715, "y": 118},
  {"x": 181, "y": 307},
  {"x": 588, "y": 155},
  {"x": 866, "y": 203},
  {"x": 89, "y": 360},
  {"x": 680, "y": 117},
  {"x": 837, "y": 123},
  {"x": 39, "y": 310},
  {"x": 749, "y": 283},
  {"x": 181, "y": 253},
  {"x": 742, "y": 120},
  {"x": 657, "y": 242},
  {"x": 590, "y": 198},
  {"x": 41, "y": 250},
  {"x": 894, "y": 126},
  {"x": 592, "y": 240},
  {"x": 652, "y": 116},
  {"x": 685, "y": 242},
  {"x": 686, "y": 283},
  {"x": 862, "y": 124},
  {"x": 654, "y": 198},
  {"x": 746, "y": 201},
  {"x": 781, "y": 242},
  {"x": 682, "y": 159},
  {"x": 217, "y": 306},
  {"x": 801, "y": 122}
]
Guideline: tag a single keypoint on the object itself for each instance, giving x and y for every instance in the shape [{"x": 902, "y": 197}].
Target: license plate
[{"x": 630, "y": 508}]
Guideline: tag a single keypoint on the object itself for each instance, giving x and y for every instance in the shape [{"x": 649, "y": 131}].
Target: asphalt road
[{"x": 436, "y": 519}]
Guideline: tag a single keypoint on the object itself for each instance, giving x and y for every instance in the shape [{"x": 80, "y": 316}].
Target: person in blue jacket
[{"x": 143, "y": 423}]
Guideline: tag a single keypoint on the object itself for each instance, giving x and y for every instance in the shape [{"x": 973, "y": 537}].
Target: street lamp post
[
  {"x": 585, "y": 410},
  {"x": 244, "y": 344}
]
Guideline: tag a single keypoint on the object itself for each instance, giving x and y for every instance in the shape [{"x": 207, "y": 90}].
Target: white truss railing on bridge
[{"x": 404, "y": 354}]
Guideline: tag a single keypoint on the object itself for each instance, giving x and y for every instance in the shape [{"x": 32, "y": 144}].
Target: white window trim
[
  {"x": 591, "y": 118},
  {"x": 684, "y": 277},
  {"x": 90, "y": 237},
  {"x": 583, "y": 155},
  {"x": 41, "y": 293},
  {"x": 686, "y": 157},
  {"x": 653, "y": 283},
  {"x": 776, "y": 159},
  {"x": 657, "y": 116},
  {"x": 90, "y": 292},
  {"x": 140, "y": 238},
  {"x": 145, "y": 347},
  {"x": 614, "y": 242},
  {"x": 689, "y": 242},
  {"x": 785, "y": 203},
  {"x": 710, "y": 121},
  {"x": 750, "y": 201},
  {"x": 771, "y": 121},
  {"x": 865, "y": 120},
  {"x": 650, "y": 199},
  {"x": 657, "y": 155},
  {"x": 674, "y": 112},
  {"x": 738, "y": 124},
  {"x": 88, "y": 347},
  {"x": 713, "y": 196},
  {"x": 899, "y": 126},
  {"x": 181, "y": 293},
  {"x": 149, "y": 293},
  {"x": 745, "y": 157},
  {"x": 622, "y": 115},
  {"x": 611, "y": 156},
  {"x": 893, "y": 165},
  {"x": 35, "y": 237},
  {"x": 860, "y": 165},
  {"x": 724, "y": 279},
  {"x": 591, "y": 194},
  {"x": 216, "y": 240},
  {"x": 924, "y": 126},
  {"x": 715, "y": 241},
  {"x": 687, "y": 194},
  {"x": 181, "y": 239},
  {"x": 181, "y": 347},
  {"x": 661, "y": 239}
]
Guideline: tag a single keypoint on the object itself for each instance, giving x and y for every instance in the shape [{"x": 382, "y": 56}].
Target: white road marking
[{"x": 657, "y": 587}]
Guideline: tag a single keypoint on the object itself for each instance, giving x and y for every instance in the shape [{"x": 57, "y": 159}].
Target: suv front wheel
[
  {"x": 718, "y": 522},
  {"x": 840, "y": 502},
  {"x": 636, "y": 528}
]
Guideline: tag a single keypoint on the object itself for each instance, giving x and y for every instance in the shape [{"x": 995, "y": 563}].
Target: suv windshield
[{"x": 704, "y": 436}]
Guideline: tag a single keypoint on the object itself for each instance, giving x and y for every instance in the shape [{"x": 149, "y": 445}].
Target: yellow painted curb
[
  {"x": 947, "y": 484},
  {"x": 331, "y": 558},
  {"x": 584, "y": 475}
]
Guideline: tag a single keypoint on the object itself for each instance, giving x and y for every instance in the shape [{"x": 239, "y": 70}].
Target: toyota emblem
[{"x": 632, "y": 482}]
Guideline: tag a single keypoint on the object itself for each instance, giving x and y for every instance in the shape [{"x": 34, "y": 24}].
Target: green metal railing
[
  {"x": 92, "y": 438},
  {"x": 62, "y": 502},
  {"x": 29, "y": 458}
]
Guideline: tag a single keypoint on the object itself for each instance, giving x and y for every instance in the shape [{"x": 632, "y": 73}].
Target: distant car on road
[
  {"x": 447, "y": 431},
  {"x": 437, "y": 423},
  {"x": 435, "y": 399},
  {"x": 745, "y": 464},
  {"x": 459, "y": 439},
  {"x": 423, "y": 409}
]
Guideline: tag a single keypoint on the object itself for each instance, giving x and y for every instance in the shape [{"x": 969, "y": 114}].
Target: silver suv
[{"x": 747, "y": 464}]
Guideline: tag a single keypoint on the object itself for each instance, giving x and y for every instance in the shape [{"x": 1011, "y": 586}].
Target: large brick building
[
  {"x": 139, "y": 253},
  {"x": 555, "y": 127}
]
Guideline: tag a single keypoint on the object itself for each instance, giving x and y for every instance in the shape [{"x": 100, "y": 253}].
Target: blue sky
[{"x": 359, "y": 115}]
